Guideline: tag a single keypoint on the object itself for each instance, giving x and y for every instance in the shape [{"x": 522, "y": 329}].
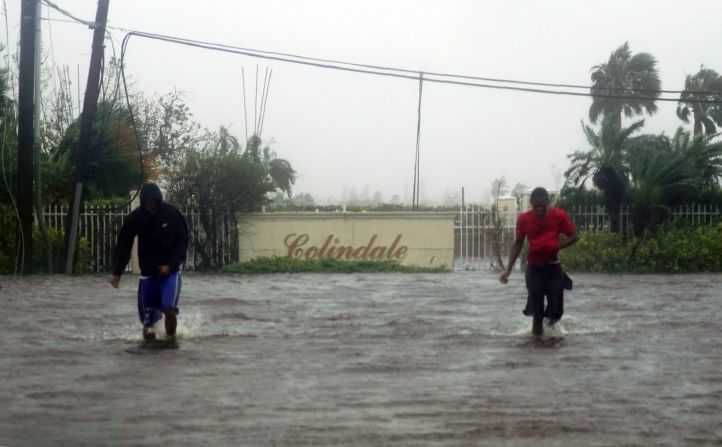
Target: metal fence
[
  {"x": 99, "y": 227},
  {"x": 476, "y": 237},
  {"x": 475, "y": 233},
  {"x": 210, "y": 251},
  {"x": 594, "y": 217}
]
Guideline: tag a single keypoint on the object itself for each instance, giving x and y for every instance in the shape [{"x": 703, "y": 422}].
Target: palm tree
[
  {"x": 705, "y": 115},
  {"x": 604, "y": 164},
  {"x": 632, "y": 77},
  {"x": 225, "y": 142},
  {"x": 113, "y": 167},
  {"x": 702, "y": 155},
  {"x": 660, "y": 177},
  {"x": 280, "y": 171}
]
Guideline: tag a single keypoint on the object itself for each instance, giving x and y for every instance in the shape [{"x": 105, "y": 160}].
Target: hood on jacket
[{"x": 150, "y": 191}]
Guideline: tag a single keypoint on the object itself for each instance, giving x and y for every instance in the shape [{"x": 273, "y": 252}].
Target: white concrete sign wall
[{"x": 412, "y": 238}]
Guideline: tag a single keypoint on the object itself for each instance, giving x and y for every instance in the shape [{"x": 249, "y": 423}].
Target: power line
[
  {"x": 20, "y": 252},
  {"x": 390, "y": 72},
  {"x": 123, "y": 48},
  {"x": 90, "y": 24},
  {"x": 416, "y": 72},
  {"x": 48, "y": 19},
  {"x": 417, "y": 171},
  {"x": 245, "y": 112},
  {"x": 258, "y": 53},
  {"x": 400, "y": 70}
]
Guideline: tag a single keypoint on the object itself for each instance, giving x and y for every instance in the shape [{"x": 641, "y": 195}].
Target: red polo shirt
[{"x": 543, "y": 233}]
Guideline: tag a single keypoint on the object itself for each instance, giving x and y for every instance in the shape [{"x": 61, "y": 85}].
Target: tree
[
  {"x": 113, "y": 167},
  {"x": 499, "y": 187},
  {"x": 301, "y": 201},
  {"x": 660, "y": 177},
  {"x": 633, "y": 77},
  {"x": 702, "y": 155},
  {"x": 517, "y": 192},
  {"x": 519, "y": 189},
  {"x": 8, "y": 137},
  {"x": 166, "y": 127},
  {"x": 604, "y": 163},
  {"x": 219, "y": 180},
  {"x": 280, "y": 171},
  {"x": 451, "y": 198},
  {"x": 164, "y": 123},
  {"x": 704, "y": 115}
]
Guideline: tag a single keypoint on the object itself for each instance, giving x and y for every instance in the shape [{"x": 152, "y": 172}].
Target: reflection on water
[{"x": 369, "y": 360}]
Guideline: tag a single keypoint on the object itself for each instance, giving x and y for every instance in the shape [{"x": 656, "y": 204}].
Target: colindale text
[{"x": 297, "y": 248}]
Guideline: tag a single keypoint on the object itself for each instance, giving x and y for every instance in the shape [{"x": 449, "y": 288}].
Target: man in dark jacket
[{"x": 162, "y": 244}]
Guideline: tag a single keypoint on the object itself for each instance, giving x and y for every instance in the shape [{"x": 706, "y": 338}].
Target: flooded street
[{"x": 363, "y": 360}]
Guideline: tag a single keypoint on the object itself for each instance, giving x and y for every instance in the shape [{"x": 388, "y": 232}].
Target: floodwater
[{"x": 363, "y": 360}]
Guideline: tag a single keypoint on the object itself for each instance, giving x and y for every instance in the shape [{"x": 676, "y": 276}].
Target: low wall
[{"x": 413, "y": 238}]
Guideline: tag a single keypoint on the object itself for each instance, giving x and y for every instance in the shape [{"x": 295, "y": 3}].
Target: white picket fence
[
  {"x": 474, "y": 233},
  {"x": 474, "y": 229},
  {"x": 99, "y": 227}
]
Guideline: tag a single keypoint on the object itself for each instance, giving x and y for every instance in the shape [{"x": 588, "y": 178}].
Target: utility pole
[
  {"x": 90, "y": 105},
  {"x": 36, "y": 140},
  {"x": 26, "y": 86}
]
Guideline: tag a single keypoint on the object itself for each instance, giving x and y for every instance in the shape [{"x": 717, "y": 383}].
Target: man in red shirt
[{"x": 542, "y": 226}]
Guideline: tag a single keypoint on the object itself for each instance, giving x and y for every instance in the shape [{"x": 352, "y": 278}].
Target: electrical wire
[
  {"x": 20, "y": 251},
  {"x": 123, "y": 49},
  {"x": 312, "y": 60},
  {"x": 258, "y": 53},
  {"x": 417, "y": 172},
  {"x": 89, "y": 24},
  {"x": 400, "y": 73},
  {"x": 255, "y": 106},
  {"x": 245, "y": 112},
  {"x": 109, "y": 109},
  {"x": 263, "y": 97},
  {"x": 52, "y": 47}
]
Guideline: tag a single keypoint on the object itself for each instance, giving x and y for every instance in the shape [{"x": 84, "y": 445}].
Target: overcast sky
[{"x": 344, "y": 130}]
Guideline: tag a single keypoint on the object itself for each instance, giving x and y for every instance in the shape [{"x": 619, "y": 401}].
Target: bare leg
[
  {"x": 170, "y": 322},
  {"x": 537, "y": 328}
]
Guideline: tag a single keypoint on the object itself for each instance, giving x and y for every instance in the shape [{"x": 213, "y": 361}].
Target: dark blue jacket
[{"x": 162, "y": 236}]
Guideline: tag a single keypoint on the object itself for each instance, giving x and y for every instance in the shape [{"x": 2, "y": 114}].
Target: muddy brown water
[{"x": 363, "y": 360}]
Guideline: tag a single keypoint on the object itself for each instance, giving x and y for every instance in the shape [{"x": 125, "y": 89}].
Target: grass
[{"x": 277, "y": 264}]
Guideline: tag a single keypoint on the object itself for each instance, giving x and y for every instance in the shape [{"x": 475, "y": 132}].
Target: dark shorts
[
  {"x": 156, "y": 294},
  {"x": 546, "y": 280}
]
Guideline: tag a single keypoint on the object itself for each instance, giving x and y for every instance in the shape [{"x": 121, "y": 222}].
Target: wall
[{"x": 421, "y": 239}]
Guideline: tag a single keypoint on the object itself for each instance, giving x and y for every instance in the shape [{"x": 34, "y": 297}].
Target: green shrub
[
  {"x": 277, "y": 264},
  {"x": 8, "y": 252},
  {"x": 672, "y": 248}
]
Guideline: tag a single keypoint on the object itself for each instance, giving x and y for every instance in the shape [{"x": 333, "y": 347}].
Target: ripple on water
[{"x": 364, "y": 360}]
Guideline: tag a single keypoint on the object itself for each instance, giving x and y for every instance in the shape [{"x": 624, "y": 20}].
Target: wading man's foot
[
  {"x": 170, "y": 342},
  {"x": 536, "y": 327},
  {"x": 550, "y": 322},
  {"x": 148, "y": 334}
]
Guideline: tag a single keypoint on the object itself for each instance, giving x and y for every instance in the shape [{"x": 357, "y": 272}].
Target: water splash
[{"x": 192, "y": 325}]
